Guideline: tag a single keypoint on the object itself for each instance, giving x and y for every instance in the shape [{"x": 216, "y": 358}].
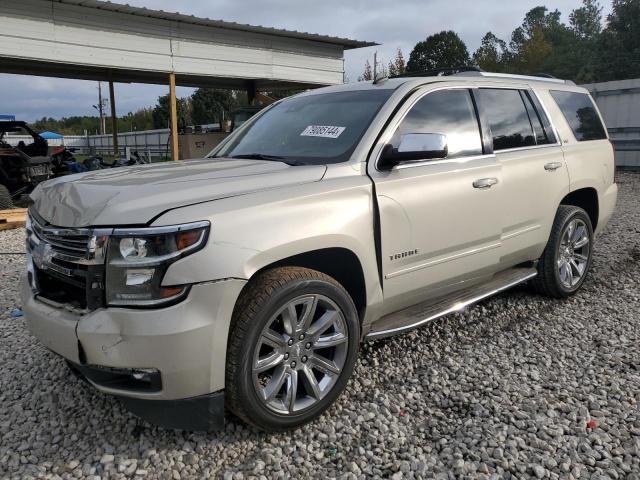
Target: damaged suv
[{"x": 249, "y": 278}]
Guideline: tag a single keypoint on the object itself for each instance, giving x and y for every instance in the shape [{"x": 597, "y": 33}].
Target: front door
[{"x": 440, "y": 220}]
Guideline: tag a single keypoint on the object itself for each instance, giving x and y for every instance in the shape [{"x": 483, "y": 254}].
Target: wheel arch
[
  {"x": 587, "y": 199},
  {"x": 340, "y": 263}
]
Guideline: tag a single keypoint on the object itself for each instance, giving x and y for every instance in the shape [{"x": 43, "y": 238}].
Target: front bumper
[{"x": 186, "y": 343}]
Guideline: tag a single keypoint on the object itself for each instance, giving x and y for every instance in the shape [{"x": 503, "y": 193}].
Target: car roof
[{"x": 470, "y": 78}]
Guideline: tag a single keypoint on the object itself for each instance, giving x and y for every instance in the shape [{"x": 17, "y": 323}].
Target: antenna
[{"x": 383, "y": 76}]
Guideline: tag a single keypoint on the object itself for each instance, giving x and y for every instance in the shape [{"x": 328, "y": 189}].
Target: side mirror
[{"x": 414, "y": 146}]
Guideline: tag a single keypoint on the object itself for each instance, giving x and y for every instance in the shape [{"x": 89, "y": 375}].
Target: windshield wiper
[
  {"x": 257, "y": 156},
  {"x": 261, "y": 156}
]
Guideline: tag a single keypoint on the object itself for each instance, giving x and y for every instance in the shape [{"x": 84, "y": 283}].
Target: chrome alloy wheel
[
  {"x": 573, "y": 253},
  {"x": 300, "y": 354}
]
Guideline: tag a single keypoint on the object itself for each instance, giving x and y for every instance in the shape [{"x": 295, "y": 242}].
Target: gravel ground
[{"x": 517, "y": 386}]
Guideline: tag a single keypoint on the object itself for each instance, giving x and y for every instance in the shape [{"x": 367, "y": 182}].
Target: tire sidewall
[
  {"x": 260, "y": 414},
  {"x": 582, "y": 215}
]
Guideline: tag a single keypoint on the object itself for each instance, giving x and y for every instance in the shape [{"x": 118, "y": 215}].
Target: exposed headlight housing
[{"x": 138, "y": 258}]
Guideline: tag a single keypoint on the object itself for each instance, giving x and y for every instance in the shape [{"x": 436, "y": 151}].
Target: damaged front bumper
[{"x": 160, "y": 362}]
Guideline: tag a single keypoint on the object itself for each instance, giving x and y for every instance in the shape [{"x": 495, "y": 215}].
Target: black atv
[{"x": 22, "y": 166}]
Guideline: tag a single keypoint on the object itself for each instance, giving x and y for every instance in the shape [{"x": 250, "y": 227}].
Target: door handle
[
  {"x": 550, "y": 167},
  {"x": 485, "y": 182}
]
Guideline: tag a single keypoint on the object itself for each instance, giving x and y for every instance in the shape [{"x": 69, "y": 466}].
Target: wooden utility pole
[
  {"x": 114, "y": 121},
  {"x": 173, "y": 114}
]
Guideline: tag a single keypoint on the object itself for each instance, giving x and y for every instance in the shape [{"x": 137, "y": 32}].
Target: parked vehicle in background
[
  {"x": 341, "y": 214},
  {"x": 23, "y": 166}
]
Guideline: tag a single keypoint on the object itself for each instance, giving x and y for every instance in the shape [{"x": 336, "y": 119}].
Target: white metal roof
[
  {"x": 346, "y": 43},
  {"x": 97, "y": 40}
]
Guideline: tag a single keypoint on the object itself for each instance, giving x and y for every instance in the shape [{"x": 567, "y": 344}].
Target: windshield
[{"x": 309, "y": 130}]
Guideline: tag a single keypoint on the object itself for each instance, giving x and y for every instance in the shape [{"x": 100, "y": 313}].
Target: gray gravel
[{"x": 518, "y": 386}]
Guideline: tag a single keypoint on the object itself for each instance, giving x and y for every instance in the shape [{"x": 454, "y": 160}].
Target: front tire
[
  {"x": 567, "y": 257},
  {"x": 292, "y": 347}
]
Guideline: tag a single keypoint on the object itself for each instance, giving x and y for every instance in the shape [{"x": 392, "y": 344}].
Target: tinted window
[
  {"x": 449, "y": 112},
  {"x": 535, "y": 117},
  {"x": 581, "y": 115},
  {"x": 309, "y": 129},
  {"x": 507, "y": 117}
]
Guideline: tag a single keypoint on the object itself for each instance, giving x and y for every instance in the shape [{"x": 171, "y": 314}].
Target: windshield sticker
[{"x": 325, "y": 131}]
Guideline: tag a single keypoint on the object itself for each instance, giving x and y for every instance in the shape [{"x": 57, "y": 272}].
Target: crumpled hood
[{"x": 135, "y": 195}]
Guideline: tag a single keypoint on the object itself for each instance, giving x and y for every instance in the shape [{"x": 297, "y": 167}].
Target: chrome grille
[{"x": 66, "y": 264}]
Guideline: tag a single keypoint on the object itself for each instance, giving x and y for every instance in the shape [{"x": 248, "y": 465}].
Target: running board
[{"x": 412, "y": 317}]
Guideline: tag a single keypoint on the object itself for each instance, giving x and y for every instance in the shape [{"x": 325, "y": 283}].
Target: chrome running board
[{"x": 417, "y": 315}]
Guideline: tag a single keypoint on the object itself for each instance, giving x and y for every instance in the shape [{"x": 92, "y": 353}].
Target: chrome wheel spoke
[
  {"x": 581, "y": 258},
  {"x": 323, "y": 323},
  {"x": 292, "y": 390},
  {"x": 308, "y": 313},
  {"x": 290, "y": 319},
  {"x": 312, "y": 383},
  {"x": 326, "y": 341},
  {"x": 581, "y": 242},
  {"x": 273, "y": 338},
  {"x": 270, "y": 361},
  {"x": 325, "y": 365},
  {"x": 274, "y": 385}
]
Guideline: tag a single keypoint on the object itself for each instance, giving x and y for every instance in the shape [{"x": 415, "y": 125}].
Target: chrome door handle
[
  {"x": 485, "y": 182},
  {"x": 552, "y": 166}
]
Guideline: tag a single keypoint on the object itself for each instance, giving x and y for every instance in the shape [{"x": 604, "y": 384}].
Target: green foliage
[
  {"x": 442, "y": 50},
  {"x": 619, "y": 44},
  {"x": 367, "y": 75},
  {"x": 161, "y": 112},
  {"x": 582, "y": 51},
  {"x": 397, "y": 66},
  {"x": 492, "y": 55},
  {"x": 210, "y": 105}
]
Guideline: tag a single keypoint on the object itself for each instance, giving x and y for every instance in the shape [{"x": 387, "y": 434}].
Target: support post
[
  {"x": 114, "y": 121},
  {"x": 251, "y": 91},
  {"x": 173, "y": 114}
]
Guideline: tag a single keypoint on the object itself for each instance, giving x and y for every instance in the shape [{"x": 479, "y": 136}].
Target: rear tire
[
  {"x": 5, "y": 198},
  {"x": 292, "y": 346},
  {"x": 566, "y": 259}
]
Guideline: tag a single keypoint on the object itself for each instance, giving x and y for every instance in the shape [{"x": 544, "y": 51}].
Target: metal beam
[
  {"x": 173, "y": 117},
  {"x": 114, "y": 121}
]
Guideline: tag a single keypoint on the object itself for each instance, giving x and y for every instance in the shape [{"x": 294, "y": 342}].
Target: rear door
[
  {"x": 534, "y": 173},
  {"x": 437, "y": 228}
]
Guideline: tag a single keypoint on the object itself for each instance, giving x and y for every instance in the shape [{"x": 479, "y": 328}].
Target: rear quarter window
[{"x": 581, "y": 115}]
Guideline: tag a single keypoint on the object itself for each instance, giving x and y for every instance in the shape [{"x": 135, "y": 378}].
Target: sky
[{"x": 392, "y": 23}]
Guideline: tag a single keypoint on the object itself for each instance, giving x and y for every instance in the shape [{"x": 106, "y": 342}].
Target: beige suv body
[{"x": 453, "y": 188}]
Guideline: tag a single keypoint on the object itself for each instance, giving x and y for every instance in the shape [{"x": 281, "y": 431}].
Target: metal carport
[{"x": 96, "y": 40}]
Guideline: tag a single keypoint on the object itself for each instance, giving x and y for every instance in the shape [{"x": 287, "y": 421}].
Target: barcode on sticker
[{"x": 326, "y": 131}]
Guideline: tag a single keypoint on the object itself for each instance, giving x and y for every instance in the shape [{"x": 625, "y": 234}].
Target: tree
[
  {"x": 367, "y": 74},
  {"x": 492, "y": 55},
  {"x": 586, "y": 21},
  {"x": 210, "y": 105},
  {"x": 619, "y": 43},
  {"x": 397, "y": 66},
  {"x": 161, "y": 112},
  {"x": 442, "y": 50}
]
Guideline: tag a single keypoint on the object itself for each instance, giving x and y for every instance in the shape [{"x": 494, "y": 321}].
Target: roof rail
[
  {"x": 538, "y": 77},
  {"x": 438, "y": 72}
]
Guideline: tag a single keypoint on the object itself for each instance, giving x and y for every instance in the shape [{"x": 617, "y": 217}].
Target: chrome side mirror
[{"x": 414, "y": 146}]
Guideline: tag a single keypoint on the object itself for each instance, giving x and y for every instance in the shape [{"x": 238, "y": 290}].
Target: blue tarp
[
  {"x": 51, "y": 136},
  {"x": 11, "y": 118}
]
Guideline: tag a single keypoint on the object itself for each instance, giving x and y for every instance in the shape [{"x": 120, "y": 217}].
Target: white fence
[{"x": 149, "y": 143}]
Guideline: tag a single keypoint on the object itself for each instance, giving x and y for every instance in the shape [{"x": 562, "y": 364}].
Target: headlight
[{"x": 138, "y": 258}]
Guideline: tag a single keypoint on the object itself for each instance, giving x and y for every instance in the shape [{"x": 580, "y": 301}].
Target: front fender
[{"x": 253, "y": 231}]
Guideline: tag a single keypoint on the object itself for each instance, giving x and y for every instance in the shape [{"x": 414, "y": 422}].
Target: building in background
[{"x": 619, "y": 102}]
